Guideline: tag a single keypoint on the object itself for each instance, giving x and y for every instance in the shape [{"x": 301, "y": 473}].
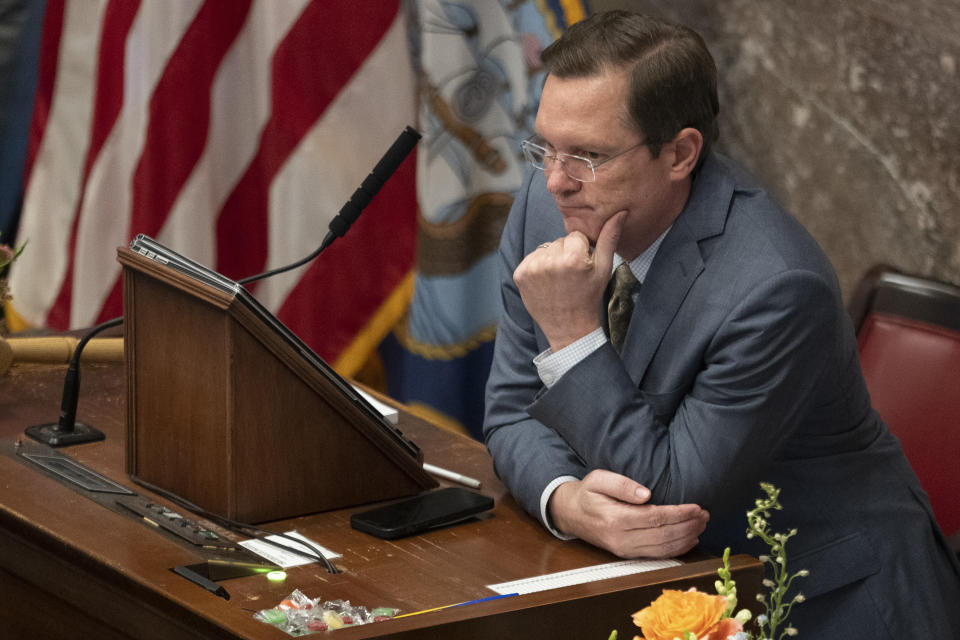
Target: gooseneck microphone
[
  {"x": 351, "y": 210},
  {"x": 67, "y": 431}
]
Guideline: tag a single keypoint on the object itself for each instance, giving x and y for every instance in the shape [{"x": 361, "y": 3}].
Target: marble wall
[{"x": 849, "y": 113}]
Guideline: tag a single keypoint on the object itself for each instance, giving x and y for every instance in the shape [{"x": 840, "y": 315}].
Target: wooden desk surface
[{"x": 71, "y": 567}]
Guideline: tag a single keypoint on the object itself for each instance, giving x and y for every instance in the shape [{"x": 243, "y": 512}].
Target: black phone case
[{"x": 421, "y": 513}]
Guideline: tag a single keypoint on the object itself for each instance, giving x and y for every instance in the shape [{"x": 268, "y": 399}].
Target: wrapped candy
[{"x": 299, "y": 615}]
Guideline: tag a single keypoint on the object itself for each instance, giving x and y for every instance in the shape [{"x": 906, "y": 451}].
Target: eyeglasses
[{"x": 577, "y": 167}]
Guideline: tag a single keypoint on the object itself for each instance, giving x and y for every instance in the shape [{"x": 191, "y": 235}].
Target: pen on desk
[
  {"x": 451, "y": 475},
  {"x": 202, "y": 581},
  {"x": 459, "y": 604}
]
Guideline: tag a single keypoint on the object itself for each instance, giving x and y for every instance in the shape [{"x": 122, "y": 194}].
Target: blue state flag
[{"x": 479, "y": 78}]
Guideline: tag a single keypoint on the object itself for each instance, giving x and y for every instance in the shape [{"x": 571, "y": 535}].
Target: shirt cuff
[
  {"x": 550, "y": 365},
  {"x": 545, "y": 499}
]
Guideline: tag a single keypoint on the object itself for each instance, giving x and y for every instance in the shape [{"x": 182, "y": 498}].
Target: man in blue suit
[{"x": 739, "y": 363}]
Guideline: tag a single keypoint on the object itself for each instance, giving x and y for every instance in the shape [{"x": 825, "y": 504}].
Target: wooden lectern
[{"x": 226, "y": 408}]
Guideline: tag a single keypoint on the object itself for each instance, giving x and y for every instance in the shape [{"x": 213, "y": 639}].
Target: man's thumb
[
  {"x": 609, "y": 238},
  {"x": 618, "y": 486}
]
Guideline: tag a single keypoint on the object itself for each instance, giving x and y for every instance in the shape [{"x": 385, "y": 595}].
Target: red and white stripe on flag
[{"x": 231, "y": 131}]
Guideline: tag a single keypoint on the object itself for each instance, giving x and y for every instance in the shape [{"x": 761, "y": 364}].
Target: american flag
[{"x": 232, "y": 131}]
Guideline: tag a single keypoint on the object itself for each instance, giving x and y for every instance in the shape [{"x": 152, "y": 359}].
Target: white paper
[
  {"x": 580, "y": 576},
  {"x": 283, "y": 558},
  {"x": 385, "y": 410}
]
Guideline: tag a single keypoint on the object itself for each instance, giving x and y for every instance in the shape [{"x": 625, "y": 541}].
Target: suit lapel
[
  {"x": 676, "y": 267},
  {"x": 678, "y": 264}
]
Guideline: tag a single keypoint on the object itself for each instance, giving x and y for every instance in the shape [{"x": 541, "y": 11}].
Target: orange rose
[{"x": 674, "y": 612}]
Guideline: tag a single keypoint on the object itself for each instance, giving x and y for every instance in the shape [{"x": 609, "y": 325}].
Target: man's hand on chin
[
  {"x": 610, "y": 511},
  {"x": 562, "y": 282}
]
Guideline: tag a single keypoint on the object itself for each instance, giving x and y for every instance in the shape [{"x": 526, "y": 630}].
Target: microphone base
[{"x": 52, "y": 435}]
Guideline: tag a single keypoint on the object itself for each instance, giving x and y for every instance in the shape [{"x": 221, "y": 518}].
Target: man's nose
[{"x": 558, "y": 181}]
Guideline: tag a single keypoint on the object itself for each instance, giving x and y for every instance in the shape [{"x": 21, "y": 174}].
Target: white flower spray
[{"x": 776, "y": 603}]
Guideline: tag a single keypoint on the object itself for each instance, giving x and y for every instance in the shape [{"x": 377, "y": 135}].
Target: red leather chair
[{"x": 908, "y": 333}]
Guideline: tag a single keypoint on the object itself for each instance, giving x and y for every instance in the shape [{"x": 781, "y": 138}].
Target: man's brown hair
[{"x": 673, "y": 78}]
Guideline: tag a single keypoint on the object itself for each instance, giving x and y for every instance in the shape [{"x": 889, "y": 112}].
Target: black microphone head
[
  {"x": 387, "y": 166},
  {"x": 399, "y": 150}
]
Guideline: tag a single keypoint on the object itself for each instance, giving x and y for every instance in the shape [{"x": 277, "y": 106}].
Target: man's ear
[{"x": 687, "y": 145}]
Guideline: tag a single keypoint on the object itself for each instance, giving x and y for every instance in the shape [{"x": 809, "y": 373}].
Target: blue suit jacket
[{"x": 740, "y": 365}]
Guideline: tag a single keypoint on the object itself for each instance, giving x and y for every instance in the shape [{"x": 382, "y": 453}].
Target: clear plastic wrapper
[{"x": 298, "y": 615}]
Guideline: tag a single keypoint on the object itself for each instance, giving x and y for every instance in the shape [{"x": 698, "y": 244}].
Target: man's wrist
[
  {"x": 551, "y": 365},
  {"x": 545, "y": 515}
]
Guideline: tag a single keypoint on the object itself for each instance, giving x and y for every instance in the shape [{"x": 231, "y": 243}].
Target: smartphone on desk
[{"x": 421, "y": 513}]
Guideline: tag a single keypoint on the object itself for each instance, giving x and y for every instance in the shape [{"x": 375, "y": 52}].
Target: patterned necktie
[{"x": 620, "y": 306}]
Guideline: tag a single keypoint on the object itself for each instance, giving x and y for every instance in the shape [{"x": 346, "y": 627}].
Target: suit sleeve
[
  {"x": 527, "y": 455},
  {"x": 756, "y": 377}
]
